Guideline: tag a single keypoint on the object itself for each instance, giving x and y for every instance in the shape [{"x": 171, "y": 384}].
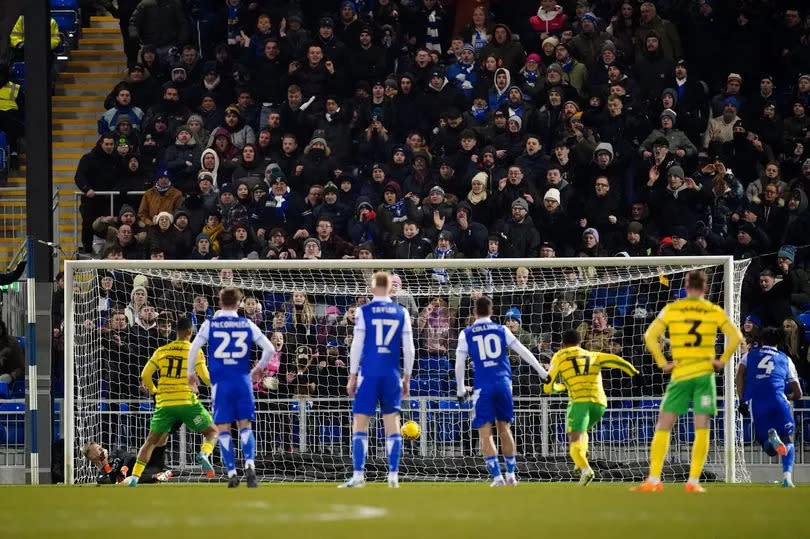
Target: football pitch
[{"x": 469, "y": 510}]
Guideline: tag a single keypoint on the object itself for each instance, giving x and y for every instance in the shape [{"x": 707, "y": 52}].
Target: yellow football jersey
[
  {"x": 171, "y": 363},
  {"x": 692, "y": 325},
  {"x": 581, "y": 372}
]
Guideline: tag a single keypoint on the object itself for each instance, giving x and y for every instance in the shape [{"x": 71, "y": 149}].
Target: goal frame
[{"x": 727, "y": 262}]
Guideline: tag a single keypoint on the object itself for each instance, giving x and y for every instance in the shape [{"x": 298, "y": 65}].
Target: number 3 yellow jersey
[
  {"x": 581, "y": 372},
  {"x": 171, "y": 363},
  {"x": 692, "y": 325}
]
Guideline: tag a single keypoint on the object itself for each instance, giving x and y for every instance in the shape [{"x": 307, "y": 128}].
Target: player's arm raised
[
  {"x": 461, "y": 365},
  {"x": 408, "y": 354},
  {"x": 267, "y": 350},
  {"x": 356, "y": 351},
  {"x": 612, "y": 361},
  {"x": 652, "y": 338},
  {"x": 196, "y": 347},
  {"x": 525, "y": 354}
]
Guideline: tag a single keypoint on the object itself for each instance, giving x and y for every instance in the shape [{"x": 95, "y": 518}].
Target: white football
[{"x": 270, "y": 382}]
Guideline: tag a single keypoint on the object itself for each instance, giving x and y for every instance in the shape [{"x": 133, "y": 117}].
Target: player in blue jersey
[
  {"x": 487, "y": 343},
  {"x": 762, "y": 377},
  {"x": 381, "y": 329},
  {"x": 230, "y": 339}
]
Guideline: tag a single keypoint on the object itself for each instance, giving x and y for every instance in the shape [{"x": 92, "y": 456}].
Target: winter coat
[
  {"x": 177, "y": 158},
  {"x": 154, "y": 202},
  {"x": 522, "y": 239},
  {"x": 510, "y": 53},
  {"x": 670, "y": 41},
  {"x": 97, "y": 170}
]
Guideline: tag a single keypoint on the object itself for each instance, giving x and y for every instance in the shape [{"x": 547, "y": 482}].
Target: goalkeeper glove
[
  {"x": 463, "y": 398},
  {"x": 743, "y": 409}
]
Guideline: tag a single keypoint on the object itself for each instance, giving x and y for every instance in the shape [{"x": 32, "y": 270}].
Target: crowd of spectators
[{"x": 414, "y": 129}]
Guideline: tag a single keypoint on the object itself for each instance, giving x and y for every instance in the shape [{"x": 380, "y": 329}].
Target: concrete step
[
  {"x": 67, "y": 159},
  {"x": 97, "y": 89},
  {"x": 73, "y": 147},
  {"x": 98, "y": 54},
  {"x": 74, "y": 123},
  {"x": 75, "y": 113},
  {"x": 106, "y": 76},
  {"x": 104, "y": 22},
  {"x": 75, "y": 135},
  {"x": 94, "y": 31},
  {"x": 82, "y": 101},
  {"x": 90, "y": 66},
  {"x": 101, "y": 43}
]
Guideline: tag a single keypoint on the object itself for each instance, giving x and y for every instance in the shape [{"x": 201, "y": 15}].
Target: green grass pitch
[{"x": 469, "y": 510}]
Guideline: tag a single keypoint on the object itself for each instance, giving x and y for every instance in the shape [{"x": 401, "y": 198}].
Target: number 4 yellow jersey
[
  {"x": 171, "y": 363},
  {"x": 581, "y": 372},
  {"x": 692, "y": 325}
]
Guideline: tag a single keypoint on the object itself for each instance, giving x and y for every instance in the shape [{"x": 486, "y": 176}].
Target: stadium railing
[{"x": 77, "y": 195}]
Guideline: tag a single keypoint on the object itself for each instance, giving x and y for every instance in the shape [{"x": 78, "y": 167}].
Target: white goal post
[{"x": 118, "y": 312}]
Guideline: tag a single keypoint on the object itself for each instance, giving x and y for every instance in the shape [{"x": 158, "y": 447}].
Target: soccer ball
[{"x": 410, "y": 430}]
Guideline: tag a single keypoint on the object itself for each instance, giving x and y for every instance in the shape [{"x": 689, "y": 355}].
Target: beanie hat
[
  {"x": 590, "y": 17},
  {"x": 676, "y": 170},
  {"x": 316, "y": 241},
  {"x": 552, "y": 194},
  {"x": 513, "y": 313},
  {"x": 593, "y": 232},
  {"x": 202, "y": 236},
  {"x": 126, "y": 208},
  {"x": 165, "y": 214},
  {"x": 635, "y": 227},
  {"x": 787, "y": 251},
  {"x": 330, "y": 187},
  {"x": 555, "y": 67},
  {"x": 521, "y": 203},
  {"x": 394, "y": 188},
  {"x": 551, "y": 40},
  {"x": 481, "y": 177},
  {"x": 516, "y": 119},
  {"x": 669, "y": 113},
  {"x": 533, "y": 57}
]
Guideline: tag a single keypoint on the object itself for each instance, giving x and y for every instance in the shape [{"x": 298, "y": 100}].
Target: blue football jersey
[
  {"x": 486, "y": 343},
  {"x": 767, "y": 372},
  {"x": 230, "y": 343},
  {"x": 383, "y": 324}
]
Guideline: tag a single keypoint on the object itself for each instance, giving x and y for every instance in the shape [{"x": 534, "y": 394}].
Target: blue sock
[
  {"x": 511, "y": 464},
  {"x": 787, "y": 460},
  {"x": 493, "y": 466},
  {"x": 394, "y": 447},
  {"x": 226, "y": 451},
  {"x": 359, "y": 449},
  {"x": 248, "y": 445}
]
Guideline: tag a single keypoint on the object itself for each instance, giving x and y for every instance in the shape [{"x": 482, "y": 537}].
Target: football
[{"x": 410, "y": 430}]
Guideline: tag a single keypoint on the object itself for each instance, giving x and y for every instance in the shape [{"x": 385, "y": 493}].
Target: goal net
[{"x": 117, "y": 313}]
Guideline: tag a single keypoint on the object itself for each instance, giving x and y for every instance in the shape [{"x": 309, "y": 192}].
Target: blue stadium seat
[
  {"x": 15, "y": 435},
  {"x": 147, "y": 406},
  {"x": 11, "y": 407},
  {"x": 804, "y": 318},
  {"x": 124, "y": 407},
  {"x": 105, "y": 389},
  {"x": 5, "y": 390},
  {"x": 18, "y": 390},
  {"x": 448, "y": 424},
  {"x": 104, "y": 407}
]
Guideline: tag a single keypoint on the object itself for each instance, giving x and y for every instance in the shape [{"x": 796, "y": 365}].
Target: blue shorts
[
  {"x": 387, "y": 390},
  {"x": 492, "y": 403},
  {"x": 772, "y": 414},
  {"x": 233, "y": 400}
]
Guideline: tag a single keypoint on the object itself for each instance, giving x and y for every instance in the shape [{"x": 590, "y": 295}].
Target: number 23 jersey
[{"x": 230, "y": 345}]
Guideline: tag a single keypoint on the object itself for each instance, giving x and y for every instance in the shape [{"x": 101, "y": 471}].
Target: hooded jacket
[
  {"x": 177, "y": 158},
  {"x": 497, "y": 97},
  {"x": 97, "y": 170}
]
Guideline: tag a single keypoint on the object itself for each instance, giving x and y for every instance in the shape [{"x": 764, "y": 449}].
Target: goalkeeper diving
[
  {"x": 175, "y": 401},
  {"x": 581, "y": 374}
]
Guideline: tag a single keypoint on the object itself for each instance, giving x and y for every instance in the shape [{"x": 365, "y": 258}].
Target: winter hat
[
  {"x": 138, "y": 287},
  {"x": 468, "y": 47},
  {"x": 661, "y": 141},
  {"x": 533, "y": 57},
  {"x": 590, "y": 17},
  {"x": 609, "y": 46},
  {"x": 552, "y": 194},
  {"x": 226, "y": 188},
  {"x": 446, "y": 235},
  {"x": 754, "y": 319},
  {"x": 195, "y": 118},
  {"x": 316, "y": 241},
  {"x": 669, "y": 113},
  {"x": 521, "y": 203},
  {"x": 126, "y": 208},
  {"x": 182, "y": 128},
  {"x": 551, "y": 40},
  {"x": 326, "y": 22},
  {"x": 364, "y": 204},
  {"x": 734, "y": 76},
  {"x": 787, "y": 251},
  {"x": 593, "y": 232},
  {"x": 366, "y": 246},
  {"x": 572, "y": 102},
  {"x": 731, "y": 101},
  {"x": 680, "y": 231},
  {"x": 233, "y": 109},
  {"x": 676, "y": 170},
  {"x": 393, "y": 187},
  {"x": 166, "y": 215},
  {"x": 180, "y": 211},
  {"x": 481, "y": 177},
  {"x": 436, "y": 189},
  {"x": 259, "y": 187},
  {"x": 747, "y": 227},
  {"x": 513, "y": 313},
  {"x": 202, "y": 236},
  {"x": 635, "y": 227},
  {"x": 555, "y": 67},
  {"x": 316, "y": 140},
  {"x": 238, "y": 225},
  {"x": 204, "y": 174},
  {"x": 516, "y": 119},
  {"x": 330, "y": 187}
]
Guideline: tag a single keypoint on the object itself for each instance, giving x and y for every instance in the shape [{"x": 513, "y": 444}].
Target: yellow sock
[
  {"x": 584, "y": 439},
  {"x": 137, "y": 470},
  {"x": 208, "y": 447},
  {"x": 700, "y": 450},
  {"x": 658, "y": 452},
  {"x": 577, "y": 452}
]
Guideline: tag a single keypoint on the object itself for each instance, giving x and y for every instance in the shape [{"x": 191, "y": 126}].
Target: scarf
[
  {"x": 397, "y": 210},
  {"x": 280, "y": 204},
  {"x": 213, "y": 85},
  {"x": 432, "y": 42},
  {"x": 531, "y": 78},
  {"x": 440, "y": 275},
  {"x": 568, "y": 66},
  {"x": 332, "y": 115},
  {"x": 162, "y": 189},
  {"x": 480, "y": 40},
  {"x": 475, "y": 199},
  {"x": 480, "y": 115}
]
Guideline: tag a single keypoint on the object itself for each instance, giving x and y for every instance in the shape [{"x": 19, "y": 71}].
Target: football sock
[
  {"x": 226, "y": 451},
  {"x": 511, "y": 464},
  {"x": 359, "y": 448},
  {"x": 137, "y": 470},
  {"x": 658, "y": 452},
  {"x": 208, "y": 446},
  {"x": 700, "y": 450},
  {"x": 394, "y": 447},
  {"x": 584, "y": 438},
  {"x": 577, "y": 452},
  {"x": 493, "y": 466},
  {"x": 787, "y": 460},
  {"x": 248, "y": 445}
]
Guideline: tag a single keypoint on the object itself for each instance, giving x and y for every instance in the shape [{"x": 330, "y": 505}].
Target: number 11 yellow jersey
[{"x": 171, "y": 363}]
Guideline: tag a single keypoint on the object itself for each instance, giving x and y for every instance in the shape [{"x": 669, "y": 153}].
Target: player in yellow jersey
[
  {"x": 692, "y": 324},
  {"x": 580, "y": 371},
  {"x": 175, "y": 400}
]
